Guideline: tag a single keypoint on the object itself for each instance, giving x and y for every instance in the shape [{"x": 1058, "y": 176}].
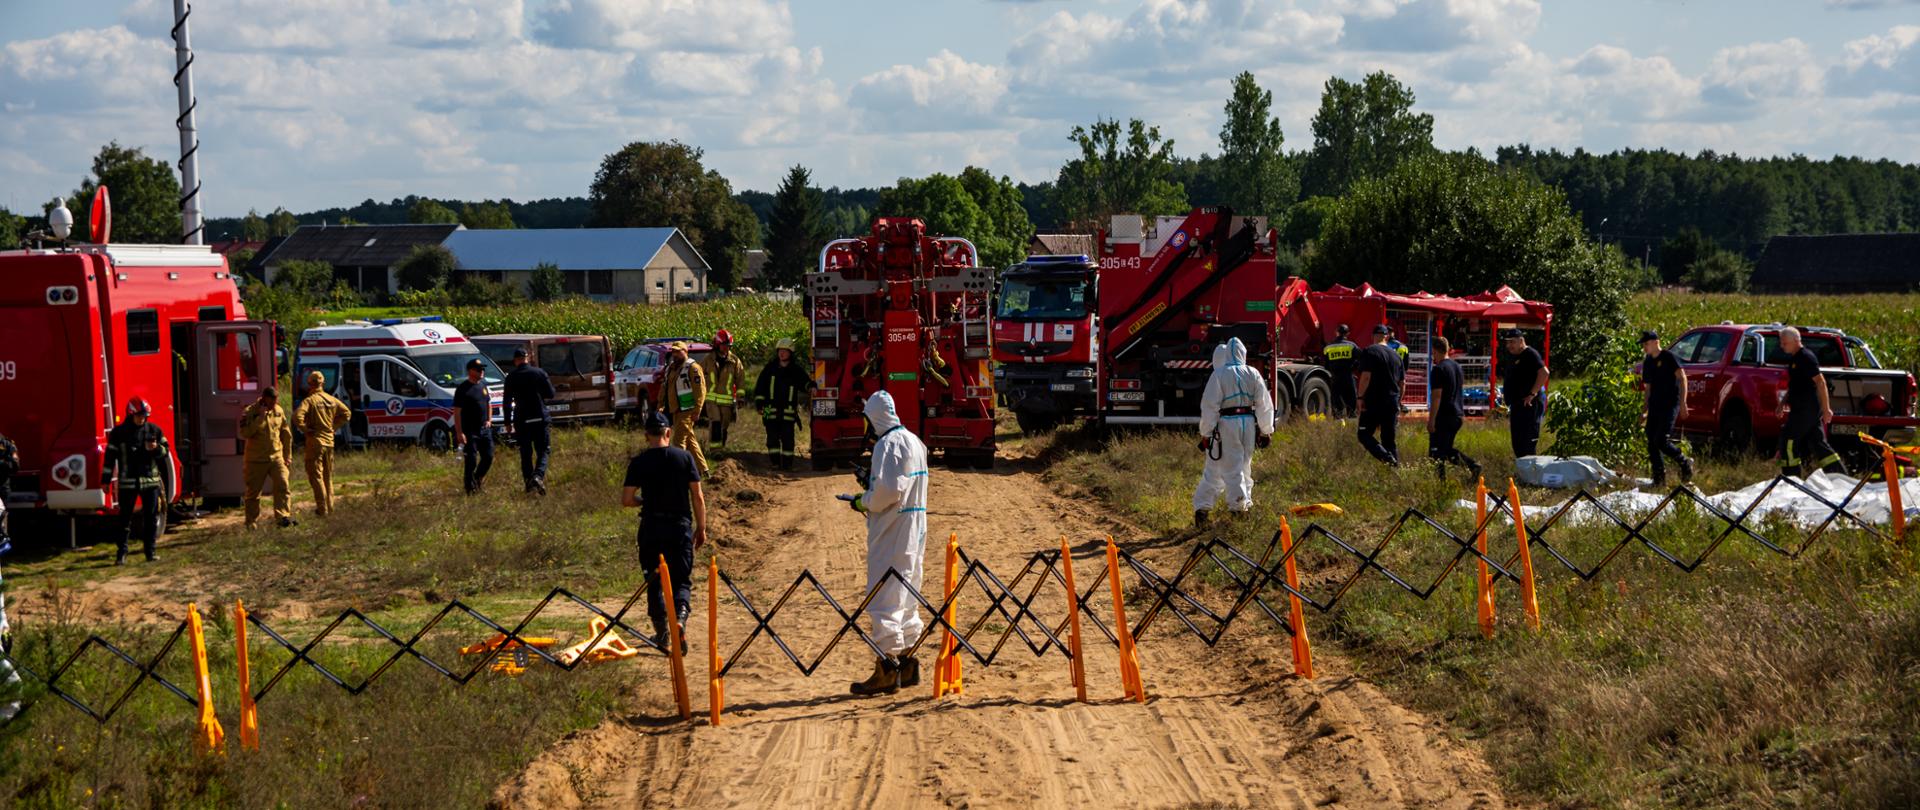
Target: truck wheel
[
  {"x": 436, "y": 437},
  {"x": 1316, "y": 398},
  {"x": 1283, "y": 406},
  {"x": 1735, "y": 438},
  {"x": 1035, "y": 423},
  {"x": 983, "y": 461}
]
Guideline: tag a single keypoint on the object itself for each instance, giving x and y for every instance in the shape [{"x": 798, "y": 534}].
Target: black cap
[
  {"x": 475, "y": 364},
  {"x": 656, "y": 422},
  {"x": 1513, "y": 333},
  {"x": 1382, "y": 329},
  {"x": 1649, "y": 335},
  {"x": 519, "y": 352},
  {"x": 269, "y": 392},
  {"x": 1343, "y": 329}
]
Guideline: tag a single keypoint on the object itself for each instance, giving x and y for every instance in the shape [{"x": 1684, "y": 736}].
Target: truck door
[
  {"x": 233, "y": 361},
  {"x": 392, "y": 396},
  {"x": 1707, "y": 377}
]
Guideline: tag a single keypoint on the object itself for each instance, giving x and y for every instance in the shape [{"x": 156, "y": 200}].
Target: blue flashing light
[{"x": 1073, "y": 258}]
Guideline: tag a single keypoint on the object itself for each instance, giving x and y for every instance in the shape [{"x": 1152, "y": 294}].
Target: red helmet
[
  {"x": 138, "y": 407},
  {"x": 723, "y": 338}
]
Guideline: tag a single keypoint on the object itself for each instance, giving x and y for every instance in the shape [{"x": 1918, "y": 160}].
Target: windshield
[
  {"x": 1042, "y": 299},
  {"x": 447, "y": 370}
]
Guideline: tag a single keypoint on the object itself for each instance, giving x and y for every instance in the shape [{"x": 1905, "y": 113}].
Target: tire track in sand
[{"x": 1226, "y": 726}]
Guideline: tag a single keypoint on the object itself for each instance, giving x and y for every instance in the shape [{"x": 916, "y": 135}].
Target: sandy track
[{"x": 1228, "y": 726}]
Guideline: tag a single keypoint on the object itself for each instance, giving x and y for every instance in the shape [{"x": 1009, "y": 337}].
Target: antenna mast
[{"x": 191, "y": 231}]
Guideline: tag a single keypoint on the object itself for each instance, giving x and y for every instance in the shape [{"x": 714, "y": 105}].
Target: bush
[
  {"x": 344, "y": 296},
  {"x": 423, "y": 299},
  {"x": 311, "y": 281},
  {"x": 473, "y": 291},
  {"x": 548, "y": 283},
  {"x": 1722, "y": 272},
  {"x": 428, "y": 267},
  {"x": 1600, "y": 416}
]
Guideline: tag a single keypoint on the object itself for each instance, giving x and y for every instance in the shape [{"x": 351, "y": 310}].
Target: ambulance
[{"x": 396, "y": 374}]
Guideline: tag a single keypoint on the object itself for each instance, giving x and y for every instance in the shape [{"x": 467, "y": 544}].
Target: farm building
[
  {"x": 364, "y": 256},
  {"x": 1849, "y": 262},
  {"x": 604, "y": 264},
  {"x": 1061, "y": 244}
]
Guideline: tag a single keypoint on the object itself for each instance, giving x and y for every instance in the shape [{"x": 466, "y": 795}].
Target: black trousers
[
  {"x": 1804, "y": 441},
  {"x": 1525, "y": 429},
  {"x": 672, "y": 539},
  {"x": 142, "y": 522},
  {"x": 536, "y": 445},
  {"x": 478, "y": 459},
  {"x": 779, "y": 436},
  {"x": 1343, "y": 396},
  {"x": 1660, "y": 444},
  {"x": 1440, "y": 445},
  {"x": 1386, "y": 419}
]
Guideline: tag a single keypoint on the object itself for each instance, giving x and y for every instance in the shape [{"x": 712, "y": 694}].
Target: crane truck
[{"x": 905, "y": 312}]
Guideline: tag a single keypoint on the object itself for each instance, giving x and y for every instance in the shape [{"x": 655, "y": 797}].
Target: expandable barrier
[{"x": 1247, "y": 582}]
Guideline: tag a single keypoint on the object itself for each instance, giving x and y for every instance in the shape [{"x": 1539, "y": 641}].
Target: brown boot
[
  {"x": 909, "y": 671},
  {"x": 884, "y": 680}
]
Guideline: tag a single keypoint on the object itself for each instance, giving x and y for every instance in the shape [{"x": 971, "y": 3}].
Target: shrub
[
  {"x": 310, "y": 281},
  {"x": 1720, "y": 272},
  {"x": 1600, "y": 416},
  {"x": 428, "y": 267},
  {"x": 422, "y": 299},
  {"x": 473, "y": 291},
  {"x": 547, "y": 283}
]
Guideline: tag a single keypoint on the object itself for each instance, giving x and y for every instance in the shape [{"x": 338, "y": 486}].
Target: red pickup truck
[{"x": 1737, "y": 385}]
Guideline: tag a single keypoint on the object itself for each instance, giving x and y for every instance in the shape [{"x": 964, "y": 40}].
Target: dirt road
[{"x": 1228, "y": 726}]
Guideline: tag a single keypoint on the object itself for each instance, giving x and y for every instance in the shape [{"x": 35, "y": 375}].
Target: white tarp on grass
[{"x": 1785, "y": 500}]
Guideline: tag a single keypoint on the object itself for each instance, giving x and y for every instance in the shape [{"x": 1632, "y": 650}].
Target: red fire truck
[
  {"x": 904, "y": 312},
  {"x": 86, "y": 328}
]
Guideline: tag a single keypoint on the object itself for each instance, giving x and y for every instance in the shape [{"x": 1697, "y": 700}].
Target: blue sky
[{"x": 310, "y": 103}]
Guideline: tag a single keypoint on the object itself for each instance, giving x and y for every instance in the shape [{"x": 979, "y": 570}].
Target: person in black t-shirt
[
  {"x": 1804, "y": 438},
  {"x": 1665, "y": 384},
  {"x": 1448, "y": 412},
  {"x": 473, "y": 425},
  {"x": 664, "y": 484},
  {"x": 1380, "y": 380},
  {"x": 524, "y": 409},
  {"x": 1524, "y": 385}
]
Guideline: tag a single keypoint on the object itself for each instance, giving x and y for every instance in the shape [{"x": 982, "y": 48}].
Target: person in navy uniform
[
  {"x": 1664, "y": 382},
  {"x": 525, "y": 411},
  {"x": 1448, "y": 413},
  {"x": 663, "y": 482},
  {"x": 473, "y": 426},
  {"x": 1809, "y": 412},
  {"x": 1380, "y": 382},
  {"x": 1524, "y": 385}
]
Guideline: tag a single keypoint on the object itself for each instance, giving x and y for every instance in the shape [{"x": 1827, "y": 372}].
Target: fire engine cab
[
  {"x": 86, "y": 328},
  {"x": 397, "y": 375}
]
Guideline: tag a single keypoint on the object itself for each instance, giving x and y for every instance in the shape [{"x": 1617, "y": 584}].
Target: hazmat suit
[
  {"x": 896, "y": 507},
  {"x": 1236, "y": 412}
]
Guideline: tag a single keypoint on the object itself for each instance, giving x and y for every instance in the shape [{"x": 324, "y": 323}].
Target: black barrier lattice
[{"x": 1020, "y": 603}]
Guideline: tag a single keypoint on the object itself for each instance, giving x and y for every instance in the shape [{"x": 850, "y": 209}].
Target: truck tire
[
  {"x": 1032, "y": 424},
  {"x": 1735, "y": 436},
  {"x": 436, "y": 437},
  {"x": 983, "y": 461},
  {"x": 1316, "y": 398}
]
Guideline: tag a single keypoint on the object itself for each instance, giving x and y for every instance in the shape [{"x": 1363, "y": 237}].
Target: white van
[{"x": 397, "y": 374}]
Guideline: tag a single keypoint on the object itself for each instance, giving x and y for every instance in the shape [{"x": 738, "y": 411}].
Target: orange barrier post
[
  {"x": 1129, "y": 656},
  {"x": 249, "y": 714},
  {"x": 946, "y": 668},
  {"x": 1302, "y": 650},
  {"x": 1891, "y": 471},
  {"x": 716, "y": 689},
  {"x": 1485, "y": 580},
  {"x": 1073, "y": 624},
  {"x": 1528, "y": 602},
  {"x": 207, "y": 734},
  {"x": 679, "y": 663}
]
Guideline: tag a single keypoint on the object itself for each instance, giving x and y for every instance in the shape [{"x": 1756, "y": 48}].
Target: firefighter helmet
[
  {"x": 723, "y": 338},
  {"x": 138, "y": 407}
]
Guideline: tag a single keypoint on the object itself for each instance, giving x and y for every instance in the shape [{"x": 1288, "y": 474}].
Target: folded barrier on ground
[{"x": 1021, "y": 611}]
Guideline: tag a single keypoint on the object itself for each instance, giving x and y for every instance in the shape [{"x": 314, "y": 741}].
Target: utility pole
[{"x": 191, "y": 230}]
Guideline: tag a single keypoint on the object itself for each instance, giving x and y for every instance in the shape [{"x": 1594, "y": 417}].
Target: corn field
[
  {"x": 756, "y": 322},
  {"x": 1889, "y": 322}
]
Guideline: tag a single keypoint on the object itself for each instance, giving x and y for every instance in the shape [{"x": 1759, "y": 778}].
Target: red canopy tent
[{"x": 1468, "y": 322}]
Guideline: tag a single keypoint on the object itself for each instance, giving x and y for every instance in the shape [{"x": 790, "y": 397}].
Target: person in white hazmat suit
[
  {"x": 1236, "y": 415},
  {"x": 895, "y": 504}
]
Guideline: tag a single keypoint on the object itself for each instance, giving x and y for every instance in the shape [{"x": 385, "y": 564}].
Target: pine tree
[{"x": 794, "y": 230}]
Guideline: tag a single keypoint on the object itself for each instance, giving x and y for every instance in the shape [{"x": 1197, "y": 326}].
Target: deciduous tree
[
  {"x": 428, "y": 212},
  {"x": 664, "y": 184},
  {"x": 1252, "y": 172},
  {"x": 1122, "y": 169},
  {"x": 1364, "y": 129},
  {"x": 144, "y": 193}
]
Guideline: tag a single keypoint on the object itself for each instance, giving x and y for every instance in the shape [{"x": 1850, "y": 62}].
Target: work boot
[
  {"x": 540, "y": 487},
  {"x": 288, "y": 523},
  {"x": 120, "y": 556},
  {"x": 1686, "y": 470},
  {"x": 884, "y": 680},
  {"x": 909, "y": 671},
  {"x": 1199, "y": 518}
]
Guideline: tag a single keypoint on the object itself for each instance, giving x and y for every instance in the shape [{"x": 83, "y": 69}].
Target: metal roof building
[
  {"x": 607, "y": 264},
  {"x": 362, "y": 255}
]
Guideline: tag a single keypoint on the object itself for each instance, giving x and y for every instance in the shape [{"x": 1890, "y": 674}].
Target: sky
[{"x": 316, "y": 103}]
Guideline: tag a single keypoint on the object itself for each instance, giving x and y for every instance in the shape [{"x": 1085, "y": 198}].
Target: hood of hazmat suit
[
  {"x": 896, "y": 503},
  {"x": 1236, "y": 404}
]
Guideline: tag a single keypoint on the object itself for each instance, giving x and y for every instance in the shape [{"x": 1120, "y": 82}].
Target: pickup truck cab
[{"x": 1737, "y": 386}]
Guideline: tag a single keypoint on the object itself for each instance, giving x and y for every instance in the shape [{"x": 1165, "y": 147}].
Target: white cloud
[
  {"x": 947, "y": 93},
  {"x": 1881, "y": 62},
  {"x": 1425, "y": 26},
  {"x": 682, "y": 25},
  {"x": 1750, "y": 74}
]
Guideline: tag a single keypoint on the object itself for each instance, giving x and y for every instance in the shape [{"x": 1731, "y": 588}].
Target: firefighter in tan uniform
[
  {"x": 683, "y": 394},
  {"x": 320, "y": 416},
  {"x": 726, "y": 382},
  {"x": 269, "y": 453}
]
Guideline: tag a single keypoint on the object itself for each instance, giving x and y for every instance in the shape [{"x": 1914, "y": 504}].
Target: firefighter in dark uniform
[
  {"x": 1524, "y": 385},
  {"x": 780, "y": 393},
  {"x": 1809, "y": 412},
  {"x": 1338, "y": 358},
  {"x": 138, "y": 450},
  {"x": 1447, "y": 412},
  {"x": 1665, "y": 384},
  {"x": 1381, "y": 377}
]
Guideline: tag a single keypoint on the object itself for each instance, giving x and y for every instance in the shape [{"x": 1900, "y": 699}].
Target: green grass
[{"x": 1756, "y": 681}]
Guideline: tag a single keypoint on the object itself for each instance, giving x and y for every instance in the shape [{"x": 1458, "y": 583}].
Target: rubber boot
[
  {"x": 884, "y": 680},
  {"x": 909, "y": 672},
  {"x": 1686, "y": 470},
  {"x": 1199, "y": 518}
]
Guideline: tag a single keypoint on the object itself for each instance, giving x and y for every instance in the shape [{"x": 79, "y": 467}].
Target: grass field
[
  {"x": 414, "y": 739},
  {"x": 1756, "y": 681}
]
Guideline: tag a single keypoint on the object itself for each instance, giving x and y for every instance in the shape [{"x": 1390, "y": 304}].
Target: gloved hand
[
  {"x": 1263, "y": 440},
  {"x": 855, "y": 502},
  {"x": 1206, "y": 445}
]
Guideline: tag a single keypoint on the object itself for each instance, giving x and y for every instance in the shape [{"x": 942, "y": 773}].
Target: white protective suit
[
  {"x": 896, "y": 505},
  {"x": 1234, "y": 384}
]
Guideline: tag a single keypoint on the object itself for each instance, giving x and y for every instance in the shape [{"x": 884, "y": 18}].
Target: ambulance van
[{"x": 396, "y": 374}]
